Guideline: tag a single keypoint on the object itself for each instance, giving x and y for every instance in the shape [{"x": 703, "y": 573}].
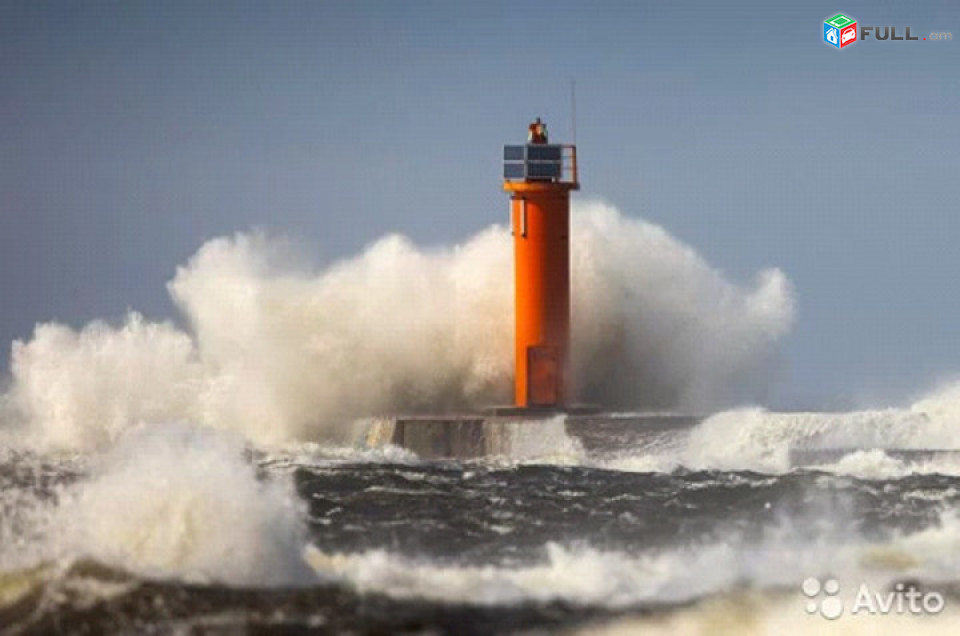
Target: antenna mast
[{"x": 573, "y": 110}]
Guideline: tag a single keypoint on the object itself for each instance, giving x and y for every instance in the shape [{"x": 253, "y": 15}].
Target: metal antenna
[{"x": 573, "y": 110}]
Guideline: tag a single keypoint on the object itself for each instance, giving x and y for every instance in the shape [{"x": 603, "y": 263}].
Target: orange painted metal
[{"x": 540, "y": 220}]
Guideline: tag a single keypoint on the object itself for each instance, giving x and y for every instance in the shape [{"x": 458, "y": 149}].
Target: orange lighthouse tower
[{"x": 539, "y": 177}]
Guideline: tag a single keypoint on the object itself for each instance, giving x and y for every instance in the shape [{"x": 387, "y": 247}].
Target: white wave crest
[
  {"x": 181, "y": 502},
  {"x": 785, "y": 555},
  {"x": 279, "y": 353}
]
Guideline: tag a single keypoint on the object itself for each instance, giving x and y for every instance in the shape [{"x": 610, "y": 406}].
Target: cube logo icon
[{"x": 840, "y": 31}]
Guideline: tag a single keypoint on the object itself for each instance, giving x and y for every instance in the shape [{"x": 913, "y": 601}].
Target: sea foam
[{"x": 182, "y": 502}]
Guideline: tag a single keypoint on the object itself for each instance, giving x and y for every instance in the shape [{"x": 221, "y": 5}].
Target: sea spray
[
  {"x": 278, "y": 352},
  {"x": 757, "y": 439},
  {"x": 82, "y": 389},
  {"x": 655, "y": 327},
  {"x": 173, "y": 501}
]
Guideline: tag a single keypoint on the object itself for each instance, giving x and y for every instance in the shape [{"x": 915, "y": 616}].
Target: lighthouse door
[{"x": 543, "y": 376}]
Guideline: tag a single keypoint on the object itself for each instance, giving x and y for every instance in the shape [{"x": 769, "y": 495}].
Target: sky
[{"x": 132, "y": 132}]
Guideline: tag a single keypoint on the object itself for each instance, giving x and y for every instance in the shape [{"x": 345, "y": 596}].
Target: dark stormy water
[
  {"x": 179, "y": 529},
  {"x": 112, "y": 519}
]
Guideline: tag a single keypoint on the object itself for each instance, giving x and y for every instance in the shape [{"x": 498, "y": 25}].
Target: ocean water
[
  {"x": 210, "y": 476},
  {"x": 178, "y": 528}
]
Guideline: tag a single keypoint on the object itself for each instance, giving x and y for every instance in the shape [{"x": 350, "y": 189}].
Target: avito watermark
[{"x": 902, "y": 599}]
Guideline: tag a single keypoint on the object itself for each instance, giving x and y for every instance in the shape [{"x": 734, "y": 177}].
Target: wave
[
  {"x": 171, "y": 501},
  {"x": 874, "y": 444},
  {"x": 279, "y": 352},
  {"x": 787, "y": 554}
]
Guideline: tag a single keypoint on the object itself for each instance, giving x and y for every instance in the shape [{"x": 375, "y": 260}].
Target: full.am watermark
[
  {"x": 843, "y": 30},
  {"x": 823, "y": 597}
]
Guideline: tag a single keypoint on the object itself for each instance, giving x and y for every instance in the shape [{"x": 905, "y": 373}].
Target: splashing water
[
  {"x": 278, "y": 353},
  {"x": 280, "y": 368},
  {"x": 177, "y": 501}
]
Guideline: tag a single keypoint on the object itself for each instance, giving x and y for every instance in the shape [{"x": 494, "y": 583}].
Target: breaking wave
[
  {"x": 872, "y": 444},
  {"x": 278, "y": 352},
  {"x": 171, "y": 502},
  {"x": 785, "y": 555}
]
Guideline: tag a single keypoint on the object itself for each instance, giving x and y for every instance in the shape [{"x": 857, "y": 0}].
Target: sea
[
  {"x": 210, "y": 473},
  {"x": 717, "y": 528}
]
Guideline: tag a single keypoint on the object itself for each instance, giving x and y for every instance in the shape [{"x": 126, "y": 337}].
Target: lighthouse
[{"x": 539, "y": 177}]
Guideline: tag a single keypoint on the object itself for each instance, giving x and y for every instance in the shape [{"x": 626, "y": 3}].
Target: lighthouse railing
[{"x": 570, "y": 164}]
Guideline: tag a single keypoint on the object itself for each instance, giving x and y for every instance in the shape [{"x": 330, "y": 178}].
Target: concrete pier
[{"x": 476, "y": 435}]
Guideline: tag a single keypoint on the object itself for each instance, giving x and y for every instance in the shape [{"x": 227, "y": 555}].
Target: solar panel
[
  {"x": 514, "y": 153},
  {"x": 543, "y": 169},
  {"x": 543, "y": 152},
  {"x": 514, "y": 171},
  {"x": 533, "y": 161}
]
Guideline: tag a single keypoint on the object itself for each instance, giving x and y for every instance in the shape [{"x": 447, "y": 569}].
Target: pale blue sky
[{"x": 131, "y": 132}]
